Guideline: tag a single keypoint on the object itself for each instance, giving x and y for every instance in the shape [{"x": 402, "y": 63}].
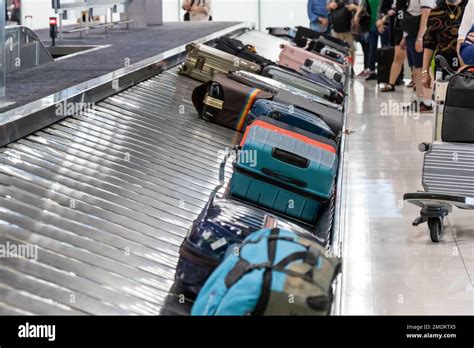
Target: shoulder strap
[{"x": 267, "y": 275}]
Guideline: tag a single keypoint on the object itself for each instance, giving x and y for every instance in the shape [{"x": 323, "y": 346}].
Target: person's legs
[
  {"x": 423, "y": 94},
  {"x": 365, "y": 50},
  {"x": 316, "y": 27},
  {"x": 398, "y": 60},
  {"x": 385, "y": 37},
  {"x": 373, "y": 43}
]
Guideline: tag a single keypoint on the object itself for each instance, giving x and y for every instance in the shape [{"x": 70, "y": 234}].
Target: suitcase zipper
[{"x": 279, "y": 184}]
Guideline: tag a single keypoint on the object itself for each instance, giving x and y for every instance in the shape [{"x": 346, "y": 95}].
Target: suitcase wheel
[{"x": 435, "y": 225}]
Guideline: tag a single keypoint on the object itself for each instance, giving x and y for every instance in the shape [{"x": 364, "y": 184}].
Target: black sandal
[{"x": 388, "y": 88}]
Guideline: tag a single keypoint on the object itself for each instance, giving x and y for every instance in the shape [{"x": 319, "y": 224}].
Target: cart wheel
[{"x": 436, "y": 229}]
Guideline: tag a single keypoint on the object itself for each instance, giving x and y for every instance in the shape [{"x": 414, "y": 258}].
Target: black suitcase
[
  {"x": 239, "y": 49},
  {"x": 285, "y": 33},
  {"x": 384, "y": 64},
  {"x": 304, "y": 34},
  {"x": 458, "y": 111},
  {"x": 317, "y": 45}
]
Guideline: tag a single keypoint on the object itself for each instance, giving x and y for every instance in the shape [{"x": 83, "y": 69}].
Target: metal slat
[
  {"x": 448, "y": 167},
  {"x": 107, "y": 197}
]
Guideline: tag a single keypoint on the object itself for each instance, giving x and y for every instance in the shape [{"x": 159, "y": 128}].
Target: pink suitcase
[{"x": 294, "y": 57}]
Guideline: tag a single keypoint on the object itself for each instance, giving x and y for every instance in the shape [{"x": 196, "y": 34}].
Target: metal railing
[
  {"x": 3, "y": 69},
  {"x": 23, "y": 49},
  {"x": 61, "y": 7}
]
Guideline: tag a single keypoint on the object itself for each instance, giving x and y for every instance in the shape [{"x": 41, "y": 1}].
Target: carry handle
[
  {"x": 284, "y": 178},
  {"x": 467, "y": 68},
  {"x": 290, "y": 158},
  {"x": 443, "y": 64}
]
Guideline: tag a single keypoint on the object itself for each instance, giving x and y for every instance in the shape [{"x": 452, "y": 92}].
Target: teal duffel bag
[{"x": 274, "y": 272}]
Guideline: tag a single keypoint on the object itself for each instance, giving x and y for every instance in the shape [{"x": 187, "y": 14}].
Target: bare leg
[
  {"x": 417, "y": 79},
  {"x": 398, "y": 60}
]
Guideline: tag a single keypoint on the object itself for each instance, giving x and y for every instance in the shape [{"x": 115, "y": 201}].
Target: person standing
[
  {"x": 340, "y": 14},
  {"x": 318, "y": 15},
  {"x": 441, "y": 36},
  {"x": 373, "y": 39},
  {"x": 400, "y": 54},
  {"x": 197, "y": 10},
  {"x": 414, "y": 23}
]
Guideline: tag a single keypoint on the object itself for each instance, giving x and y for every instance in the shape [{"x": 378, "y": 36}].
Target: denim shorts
[{"x": 415, "y": 57}]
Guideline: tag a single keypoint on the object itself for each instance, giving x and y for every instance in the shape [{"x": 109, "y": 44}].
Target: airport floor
[{"x": 391, "y": 267}]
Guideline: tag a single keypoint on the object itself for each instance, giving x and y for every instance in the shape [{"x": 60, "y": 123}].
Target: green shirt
[{"x": 374, "y": 6}]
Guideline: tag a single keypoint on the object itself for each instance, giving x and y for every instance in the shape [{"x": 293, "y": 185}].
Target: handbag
[{"x": 341, "y": 19}]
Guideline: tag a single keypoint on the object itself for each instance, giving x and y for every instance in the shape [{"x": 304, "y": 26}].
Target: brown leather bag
[{"x": 226, "y": 102}]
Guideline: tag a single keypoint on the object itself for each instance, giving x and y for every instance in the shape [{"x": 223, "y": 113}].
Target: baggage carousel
[{"x": 107, "y": 193}]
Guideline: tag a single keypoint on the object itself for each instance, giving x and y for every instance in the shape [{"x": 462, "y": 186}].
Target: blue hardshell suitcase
[
  {"x": 225, "y": 222},
  {"x": 290, "y": 115},
  {"x": 294, "y": 172}
]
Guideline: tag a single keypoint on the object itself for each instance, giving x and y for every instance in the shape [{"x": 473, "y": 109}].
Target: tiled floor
[{"x": 391, "y": 267}]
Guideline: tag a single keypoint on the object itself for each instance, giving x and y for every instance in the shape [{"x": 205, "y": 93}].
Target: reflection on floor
[{"x": 391, "y": 267}]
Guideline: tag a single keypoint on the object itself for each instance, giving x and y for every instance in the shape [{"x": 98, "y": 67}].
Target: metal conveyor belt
[{"x": 107, "y": 196}]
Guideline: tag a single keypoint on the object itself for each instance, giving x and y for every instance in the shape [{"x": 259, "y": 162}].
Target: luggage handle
[
  {"x": 290, "y": 158},
  {"x": 284, "y": 178},
  {"x": 443, "y": 64}
]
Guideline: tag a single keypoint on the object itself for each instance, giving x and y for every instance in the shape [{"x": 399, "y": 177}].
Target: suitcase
[
  {"x": 384, "y": 64},
  {"x": 222, "y": 223},
  {"x": 329, "y": 52},
  {"x": 291, "y": 116},
  {"x": 314, "y": 85},
  {"x": 458, "y": 112},
  {"x": 449, "y": 168},
  {"x": 439, "y": 96},
  {"x": 226, "y": 102},
  {"x": 321, "y": 42},
  {"x": 303, "y": 35},
  {"x": 295, "y": 172},
  {"x": 274, "y": 272},
  {"x": 317, "y": 66},
  {"x": 286, "y": 32},
  {"x": 331, "y": 114},
  {"x": 204, "y": 62},
  {"x": 237, "y": 48},
  {"x": 294, "y": 57},
  {"x": 316, "y": 76}
]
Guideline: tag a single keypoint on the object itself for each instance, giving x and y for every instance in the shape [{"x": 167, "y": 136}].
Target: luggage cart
[{"x": 438, "y": 198}]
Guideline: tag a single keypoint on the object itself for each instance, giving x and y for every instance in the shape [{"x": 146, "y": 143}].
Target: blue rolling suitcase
[
  {"x": 294, "y": 172},
  {"x": 274, "y": 272},
  {"x": 290, "y": 115},
  {"x": 225, "y": 222}
]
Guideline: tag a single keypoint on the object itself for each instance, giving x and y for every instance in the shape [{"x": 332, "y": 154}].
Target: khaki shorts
[{"x": 348, "y": 37}]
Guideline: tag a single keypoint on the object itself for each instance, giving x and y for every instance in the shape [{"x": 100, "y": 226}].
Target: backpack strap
[
  {"x": 242, "y": 267},
  {"x": 267, "y": 275}
]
